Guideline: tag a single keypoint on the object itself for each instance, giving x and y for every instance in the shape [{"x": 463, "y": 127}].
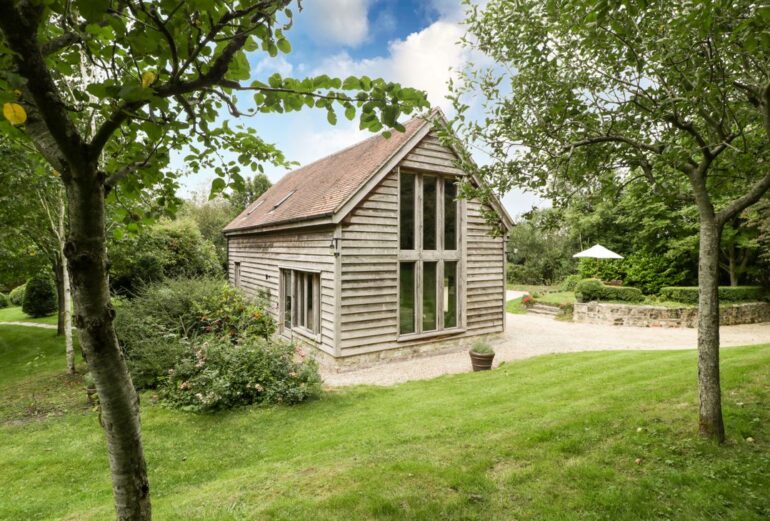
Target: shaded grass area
[
  {"x": 606, "y": 435},
  {"x": 15, "y": 314}
]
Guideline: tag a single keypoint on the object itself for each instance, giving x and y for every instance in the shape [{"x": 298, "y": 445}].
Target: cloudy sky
[{"x": 413, "y": 42}]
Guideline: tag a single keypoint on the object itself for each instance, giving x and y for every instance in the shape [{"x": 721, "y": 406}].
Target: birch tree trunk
[
  {"x": 65, "y": 311},
  {"x": 710, "y": 422},
  {"x": 86, "y": 253}
]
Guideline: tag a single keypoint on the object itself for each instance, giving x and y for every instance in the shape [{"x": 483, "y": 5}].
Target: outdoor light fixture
[{"x": 334, "y": 245}]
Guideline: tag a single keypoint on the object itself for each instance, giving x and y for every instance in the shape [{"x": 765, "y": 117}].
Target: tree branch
[{"x": 752, "y": 196}]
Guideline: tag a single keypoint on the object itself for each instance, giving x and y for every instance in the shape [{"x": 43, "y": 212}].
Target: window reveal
[{"x": 301, "y": 302}]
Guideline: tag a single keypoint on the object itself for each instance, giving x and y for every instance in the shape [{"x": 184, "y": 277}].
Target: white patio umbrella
[{"x": 597, "y": 251}]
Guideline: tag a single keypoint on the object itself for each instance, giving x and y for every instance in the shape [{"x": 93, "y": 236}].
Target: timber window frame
[
  {"x": 429, "y": 315},
  {"x": 300, "y": 301}
]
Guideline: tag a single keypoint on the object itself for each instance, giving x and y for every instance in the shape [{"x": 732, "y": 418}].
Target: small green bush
[
  {"x": 4, "y": 300},
  {"x": 16, "y": 296},
  {"x": 589, "y": 290},
  {"x": 40, "y": 296},
  {"x": 215, "y": 374},
  {"x": 569, "y": 283},
  {"x": 482, "y": 348},
  {"x": 155, "y": 327},
  {"x": 689, "y": 294}
]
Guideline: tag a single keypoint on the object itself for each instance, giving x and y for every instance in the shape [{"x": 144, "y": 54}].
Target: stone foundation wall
[
  {"x": 655, "y": 316},
  {"x": 428, "y": 348}
]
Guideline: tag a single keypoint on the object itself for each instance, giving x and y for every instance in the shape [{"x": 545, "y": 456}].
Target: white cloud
[
  {"x": 422, "y": 60},
  {"x": 337, "y": 21}
]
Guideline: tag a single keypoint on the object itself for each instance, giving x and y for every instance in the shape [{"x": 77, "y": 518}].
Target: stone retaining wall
[{"x": 656, "y": 316}]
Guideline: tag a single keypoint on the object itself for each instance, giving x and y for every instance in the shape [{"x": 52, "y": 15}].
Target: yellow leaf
[
  {"x": 55, "y": 173},
  {"x": 148, "y": 78},
  {"x": 14, "y": 113}
]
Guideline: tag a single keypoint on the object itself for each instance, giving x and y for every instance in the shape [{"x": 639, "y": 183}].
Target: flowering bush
[
  {"x": 527, "y": 300},
  {"x": 215, "y": 374}
]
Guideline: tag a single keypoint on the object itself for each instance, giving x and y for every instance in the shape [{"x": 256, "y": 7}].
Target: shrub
[
  {"x": 4, "y": 300},
  {"x": 689, "y": 294},
  {"x": 569, "y": 283},
  {"x": 16, "y": 296},
  {"x": 155, "y": 328},
  {"x": 215, "y": 374},
  {"x": 172, "y": 249},
  {"x": 482, "y": 348},
  {"x": 594, "y": 290},
  {"x": 40, "y": 296}
]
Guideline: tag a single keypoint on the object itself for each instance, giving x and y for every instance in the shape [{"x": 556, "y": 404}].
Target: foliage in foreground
[
  {"x": 215, "y": 374},
  {"x": 156, "y": 327},
  {"x": 556, "y": 437},
  {"x": 40, "y": 296},
  {"x": 4, "y": 301}
]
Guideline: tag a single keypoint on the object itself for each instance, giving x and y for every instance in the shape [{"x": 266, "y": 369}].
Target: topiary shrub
[
  {"x": 40, "y": 296},
  {"x": 569, "y": 283},
  {"x": 16, "y": 296},
  {"x": 155, "y": 327},
  {"x": 689, "y": 294},
  {"x": 589, "y": 290},
  {"x": 215, "y": 374},
  {"x": 4, "y": 300}
]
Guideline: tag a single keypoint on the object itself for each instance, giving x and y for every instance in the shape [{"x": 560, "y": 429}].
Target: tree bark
[
  {"x": 86, "y": 253},
  {"x": 733, "y": 267},
  {"x": 58, "y": 269},
  {"x": 711, "y": 423},
  {"x": 65, "y": 300}
]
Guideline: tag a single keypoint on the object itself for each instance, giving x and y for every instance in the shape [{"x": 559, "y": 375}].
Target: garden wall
[{"x": 655, "y": 316}]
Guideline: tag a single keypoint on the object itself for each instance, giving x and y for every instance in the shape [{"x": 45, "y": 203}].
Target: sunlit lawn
[
  {"x": 608, "y": 435},
  {"x": 15, "y": 314}
]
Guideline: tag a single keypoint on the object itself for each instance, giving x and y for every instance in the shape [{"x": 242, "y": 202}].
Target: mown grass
[
  {"x": 557, "y": 298},
  {"x": 15, "y": 314},
  {"x": 585, "y": 436},
  {"x": 516, "y": 306}
]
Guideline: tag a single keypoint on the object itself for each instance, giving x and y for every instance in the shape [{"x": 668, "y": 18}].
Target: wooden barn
[{"x": 367, "y": 254}]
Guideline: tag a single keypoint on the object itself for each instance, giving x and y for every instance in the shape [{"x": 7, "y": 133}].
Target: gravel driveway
[{"x": 532, "y": 335}]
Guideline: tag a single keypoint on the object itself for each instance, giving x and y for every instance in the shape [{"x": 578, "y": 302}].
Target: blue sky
[{"x": 411, "y": 42}]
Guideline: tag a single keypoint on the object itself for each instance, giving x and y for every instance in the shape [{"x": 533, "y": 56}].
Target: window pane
[
  {"x": 286, "y": 283},
  {"x": 450, "y": 294},
  {"x": 429, "y": 194},
  {"x": 310, "y": 302},
  {"x": 429, "y": 296},
  {"x": 406, "y": 298},
  {"x": 450, "y": 215},
  {"x": 407, "y": 211}
]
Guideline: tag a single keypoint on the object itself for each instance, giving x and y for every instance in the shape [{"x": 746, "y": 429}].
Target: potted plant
[{"x": 482, "y": 355}]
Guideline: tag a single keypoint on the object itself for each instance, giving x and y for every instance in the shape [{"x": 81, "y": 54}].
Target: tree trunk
[
  {"x": 733, "y": 267},
  {"x": 58, "y": 269},
  {"x": 711, "y": 423},
  {"x": 86, "y": 252},
  {"x": 65, "y": 299}
]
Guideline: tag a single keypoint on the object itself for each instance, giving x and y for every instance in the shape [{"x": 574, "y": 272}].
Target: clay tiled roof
[{"x": 318, "y": 189}]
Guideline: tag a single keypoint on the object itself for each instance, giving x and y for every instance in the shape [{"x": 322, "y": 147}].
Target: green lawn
[
  {"x": 516, "y": 306},
  {"x": 584, "y": 436},
  {"x": 557, "y": 298},
  {"x": 15, "y": 314}
]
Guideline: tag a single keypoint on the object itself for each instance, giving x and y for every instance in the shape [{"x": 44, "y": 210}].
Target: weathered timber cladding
[
  {"x": 261, "y": 257},
  {"x": 369, "y": 266}
]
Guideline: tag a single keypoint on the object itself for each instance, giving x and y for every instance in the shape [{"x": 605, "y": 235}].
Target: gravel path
[
  {"x": 532, "y": 335},
  {"x": 29, "y": 324}
]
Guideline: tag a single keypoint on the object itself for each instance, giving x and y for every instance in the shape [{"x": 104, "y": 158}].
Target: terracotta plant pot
[{"x": 482, "y": 362}]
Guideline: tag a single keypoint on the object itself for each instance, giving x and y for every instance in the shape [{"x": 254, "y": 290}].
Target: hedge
[
  {"x": 588, "y": 290},
  {"x": 4, "y": 301},
  {"x": 40, "y": 298},
  {"x": 16, "y": 296},
  {"x": 689, "y": 294}
]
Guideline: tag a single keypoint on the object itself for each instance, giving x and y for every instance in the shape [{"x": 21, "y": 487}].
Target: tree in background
[
  {"x": 155, "y": 77},
  {"x": 540, "y": 249},
  {"x": 252, "y": 188},
  {"x": 632, "y": 90}
]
